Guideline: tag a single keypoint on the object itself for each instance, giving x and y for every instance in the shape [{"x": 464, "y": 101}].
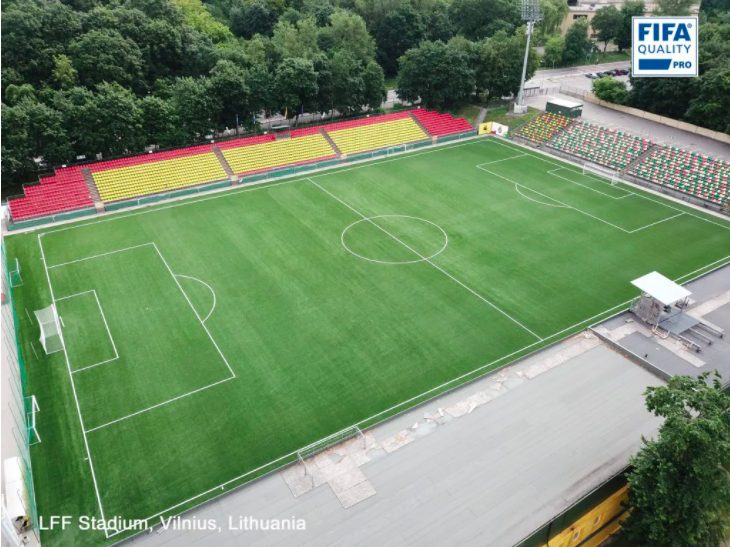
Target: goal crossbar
[
  {"x": 328, "y": 442},
  {"x": 601, "y": 171}
]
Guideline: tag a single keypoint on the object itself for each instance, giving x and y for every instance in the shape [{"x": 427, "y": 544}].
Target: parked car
[
  {"x": 621, "y": 72},
  {"x": 592, "y": 75}
]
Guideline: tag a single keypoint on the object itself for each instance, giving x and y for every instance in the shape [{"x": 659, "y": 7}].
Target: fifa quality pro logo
[{"x": 664, "y": 46}]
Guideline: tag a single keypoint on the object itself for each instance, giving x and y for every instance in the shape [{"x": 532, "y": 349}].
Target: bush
[{"x": 608, "y": 89}]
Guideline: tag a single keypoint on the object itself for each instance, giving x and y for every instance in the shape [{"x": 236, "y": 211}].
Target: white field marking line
[
  {"x": 517, "y": 189},
  {"x": 666, "y": 203},
  {"x": 626, "y": 193},
  {"x": 552, "y": 198},
  {"x": 158, "y": 405},
  {"x": 576, "y": 208},
  {"x": 106, "y": 326},
  {"x": 32, "y": 346},
  {"x": 29, "y": 317},
  {"x": 183, "y": 395},
  {"x": 209, "y": 288},
  {"x": 222, "y": 485},
  {"x": 73, "y": 390},
  {"x": 426, "y": 260},
  {"x": 98, "y": 255},
  {"x": 655, "y": 223},
  {"x": 505, "y": 159},
  {"x": 262, "y": 185},
  {"x": 394, "y": 262}
]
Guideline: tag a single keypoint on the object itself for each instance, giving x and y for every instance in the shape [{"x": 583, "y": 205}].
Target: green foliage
[
  {"x": 251, "y": 17},
  {"x": 610, "y": 89},
  {"x": 702, "y": 100},
  {"x": 631, "y": 8},
  {"x": 477, "y": 19},
  {"x": 554, "y": 48},
  {"x": 106, "y": 56},
  {"x": 295, "y": 86},
  {"x": 553, "y": 14},
  {"x": 607, "y": 23},
  {"x": 674, "y": 7},
  {"x": 499, "y": 64},
  {"x": 400, "y": 30},
  {"x": 441, "y": 76},
  {"x": 201, "y": 20},
  {"x": 679, "y": 489},
  {"x": 64, "y": 74},
  {"x": 577, "y": 44}
]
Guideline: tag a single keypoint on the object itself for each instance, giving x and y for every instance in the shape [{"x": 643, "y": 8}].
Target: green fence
[
  {"x": 68, "y": 215},
  {"x": 20, "y": 403},
  {"x": 154, "y": 198}
]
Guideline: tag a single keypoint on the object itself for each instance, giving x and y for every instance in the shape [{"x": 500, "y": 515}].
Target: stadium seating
[
  {"x": 609, "y": 147},
  {"x": 136, "y": 179},
  {"x": 437, "y": 124},
  {"x": 700, "y": 176},
  {"x": 143, "y": 174},
  {"x": 363, "y": 138},
  {"x": 64, "y": 191},
  {"x": 543, "y": 127},
  {"x": 278, "y": 153}
]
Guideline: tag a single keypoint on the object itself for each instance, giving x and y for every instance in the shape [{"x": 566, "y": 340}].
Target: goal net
[
  {"x": 14, "y": 274},
  {"x": 321, "y": 445},
  {"x": 598, "y": 171},
  {"x": 50, "y": 326}
]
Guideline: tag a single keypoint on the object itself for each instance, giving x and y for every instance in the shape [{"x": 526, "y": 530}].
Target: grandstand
[
  {"x": 608, "y": 147},
  {"x": 71, "y": 188},
  {"x": 543, "y": 127},
  {"x": 245, "y": 158},
  {"x": 116, "y": 183},
  {"x": 64, "y": 191},
  {"x": 689, "y": 172},
  {"x": 355, "y": 138}
]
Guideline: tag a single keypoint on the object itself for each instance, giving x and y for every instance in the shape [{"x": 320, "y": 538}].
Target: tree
[
  {"x": 252, "y": 17},
  {"x": 194, "y": 107},
  {"x": 499, "y": 65},
  {"x": 679, "y": 489},
  {"x": 554, "y": 48},
  {"x": 348, "y": 31},
  {"x": 159, "y": 122},
  {"x": 577, "y": 44},
  {"x": 348, "y": 87},
  {"x": 477, "y": 19},
  {"x": 201, "y": 20},
  {"x": 113, "y": 121},
  {"x": 611, "y": 90},
  {"x": 400, "y": 30},
  {"x": 607, "y": 24},
  {"x": 439, "y": 75},
  {"x": 106, "y": 56},
  {"x": 631, "y": 8},
  {"x": 298, "y": 40},
  {"x": 64, "y": 74},
  {"x": 674, "y": 7},
  {"x": 295, "y": 86},
  {"x": 229, "y": 93},
  {"x": 553, "y": 13},
  {"x": 374, "y": 80}
]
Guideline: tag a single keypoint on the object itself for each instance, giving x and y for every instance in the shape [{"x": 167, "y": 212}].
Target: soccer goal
[
  {"x": 33, "y": 409},
  {"x": 350, "y": 433},
  {"x": 50, "y": 326},
  {"x": 14, "y": 274},
  {"x": 591, "y": 169}
]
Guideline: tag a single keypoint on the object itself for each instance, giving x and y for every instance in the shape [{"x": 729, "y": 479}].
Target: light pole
[{"x": 531, "y": 14}]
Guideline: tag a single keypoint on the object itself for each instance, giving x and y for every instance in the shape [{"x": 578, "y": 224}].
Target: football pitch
[{"x": 209, "y": 339}]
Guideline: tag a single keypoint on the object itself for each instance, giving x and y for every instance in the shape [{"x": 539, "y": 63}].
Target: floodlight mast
[{"x": 530, "y": 14}]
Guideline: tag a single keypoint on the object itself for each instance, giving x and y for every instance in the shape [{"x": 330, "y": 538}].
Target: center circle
[{"x": 349, "y": 237}]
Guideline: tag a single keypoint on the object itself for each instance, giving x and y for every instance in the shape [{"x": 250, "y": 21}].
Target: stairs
[
  {"x": 331, "y": 142},
  {"x": 227, "y": 168},
  {"x": 93, "y": 190}
]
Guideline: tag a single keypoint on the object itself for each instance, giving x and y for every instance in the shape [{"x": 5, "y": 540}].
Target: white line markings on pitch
[
  {"x": 426, "y": 259},
  {"x": 195, "y": 312},
  {"x": 542, "y": 156},
  {"x": 212, "y": 308},
  {"x": 106, "y": 326},
  {"x": 480, "y": 166},
  {"x": 554, "y": 173},
  {"x": 517, "y": 189},
  {"x": 73, "y": 390}
]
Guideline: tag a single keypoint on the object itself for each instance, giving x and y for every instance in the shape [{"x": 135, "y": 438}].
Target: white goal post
[
  {"x": 321, "y": 445},
  {"x": 592, "y": 169},
  {"x": 50, "y": 326}
]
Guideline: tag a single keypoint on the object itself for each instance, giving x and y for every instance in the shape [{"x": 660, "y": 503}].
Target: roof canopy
[
  {"x": 564, "y": 102},
  {"x": 661, "y": 288}
]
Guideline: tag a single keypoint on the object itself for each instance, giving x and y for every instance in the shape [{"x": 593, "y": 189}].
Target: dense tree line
[
  {"x": 704, "y": 100},
  {"x": 84, "y": 78}
]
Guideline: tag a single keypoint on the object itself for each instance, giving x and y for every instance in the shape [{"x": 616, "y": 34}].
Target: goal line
[{"x": 602, "y": 172}]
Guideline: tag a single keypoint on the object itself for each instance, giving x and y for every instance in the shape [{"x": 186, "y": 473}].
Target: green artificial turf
[{"x": 234, "y": 329}]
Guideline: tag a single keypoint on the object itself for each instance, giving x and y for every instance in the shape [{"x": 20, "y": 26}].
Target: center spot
[{"x": 394, "y": 239}]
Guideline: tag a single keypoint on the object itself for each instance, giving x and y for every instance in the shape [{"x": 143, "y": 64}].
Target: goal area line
[{"x": 429, "y": 395}]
